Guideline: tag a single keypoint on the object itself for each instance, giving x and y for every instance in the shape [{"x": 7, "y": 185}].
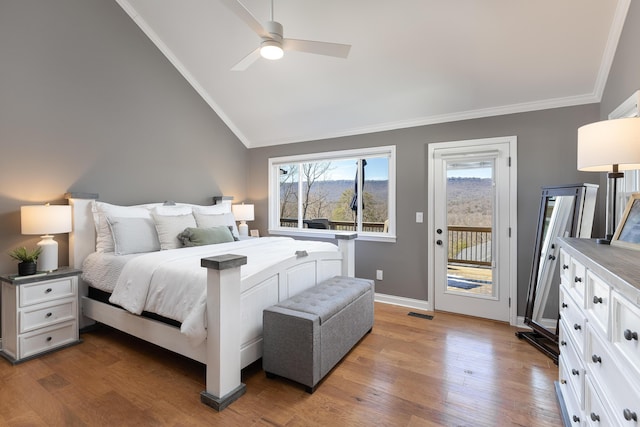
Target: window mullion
[{"x": 300, "y": 218}]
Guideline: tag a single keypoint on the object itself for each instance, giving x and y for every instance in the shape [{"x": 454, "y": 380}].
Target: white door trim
[{"x": 513, "y": 215}]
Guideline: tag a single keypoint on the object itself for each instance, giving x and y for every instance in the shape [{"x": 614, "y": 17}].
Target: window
[{"x": 320, "y": 193}]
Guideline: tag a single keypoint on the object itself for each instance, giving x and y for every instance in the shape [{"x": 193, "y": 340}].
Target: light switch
[{"x": 419, "y": 217}]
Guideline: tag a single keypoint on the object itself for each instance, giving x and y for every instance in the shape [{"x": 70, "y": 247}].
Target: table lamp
[
  {"x": 243, "y": 213},
  {"x": 610, "y": 146},
  {"x": 46, "y": 220}
]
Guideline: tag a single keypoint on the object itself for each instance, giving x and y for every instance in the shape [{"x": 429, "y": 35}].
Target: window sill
[{"x": 329, "y": 234}]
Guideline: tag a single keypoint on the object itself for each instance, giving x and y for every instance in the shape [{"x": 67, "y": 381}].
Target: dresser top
[{"x": 621, "y": 264}]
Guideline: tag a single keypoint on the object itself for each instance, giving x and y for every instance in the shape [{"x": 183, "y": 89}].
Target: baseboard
[{"x": 404, "y": 302}]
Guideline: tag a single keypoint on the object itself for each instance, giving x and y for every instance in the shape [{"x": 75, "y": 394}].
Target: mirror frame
[{"x": 580, "y": 226}]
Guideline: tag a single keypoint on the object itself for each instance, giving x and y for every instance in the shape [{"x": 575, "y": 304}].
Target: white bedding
[{"x": 172, "y": 283}]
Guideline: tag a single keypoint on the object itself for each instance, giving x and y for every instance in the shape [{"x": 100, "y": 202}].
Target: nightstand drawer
[
  {"x": 42, "y": 315},
  {"x": 48, "y": 339},
  {"x": 35, "y": 293}
]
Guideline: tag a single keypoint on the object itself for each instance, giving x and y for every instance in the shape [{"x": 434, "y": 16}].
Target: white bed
[{"x": 231, "y": 307}]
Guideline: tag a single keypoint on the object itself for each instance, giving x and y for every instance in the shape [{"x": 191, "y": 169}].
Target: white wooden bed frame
[{"x": 234, "y": 308}]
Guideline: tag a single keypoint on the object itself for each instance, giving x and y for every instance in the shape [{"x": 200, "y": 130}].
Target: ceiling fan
[{"x": 274, "y": 44}]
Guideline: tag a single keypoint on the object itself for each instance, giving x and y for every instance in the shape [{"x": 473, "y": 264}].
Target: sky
[{"x": 377, "y": 169}]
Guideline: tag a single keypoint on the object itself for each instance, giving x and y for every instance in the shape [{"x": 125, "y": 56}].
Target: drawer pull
[
  {"x": 597, "y": 300},
  {"x": 564, "y": 305},
  {"x": 595, "y": 417},
  {"x": 565, "y": 267},
  {"x": 48, "y": 290},
  {"x": 577, "y": 327},
  {"x": 629, "y": 416},
  {"x": 552, "y": 257},
  {"x": 577, "y": 279},
  {"x": 596, "y": 359},
  {"x": 575, "y": 372},
  {"x": 628, "y": 335},
  {"x": 49, "y": 339},
  {"x": 563, "y": 343},
  {"x": 49, "y": 314},
  {"x": 576, "y": 419}
]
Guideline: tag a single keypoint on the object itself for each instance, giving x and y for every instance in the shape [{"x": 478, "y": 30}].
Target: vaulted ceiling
[{"x": 412, "y": 62}]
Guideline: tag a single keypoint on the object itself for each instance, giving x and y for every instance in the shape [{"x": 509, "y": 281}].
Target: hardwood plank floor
[{"x": 449, "y": 371}]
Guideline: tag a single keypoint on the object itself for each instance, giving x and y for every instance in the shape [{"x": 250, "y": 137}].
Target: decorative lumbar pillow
[
  {"x": 133, "y": 235},
  {"x": 213, "y": 220},
  {"x": 169, "y": 226},
  {"x": 206, "y": 236}
]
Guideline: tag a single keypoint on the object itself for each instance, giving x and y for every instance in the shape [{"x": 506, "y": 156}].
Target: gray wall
[
  {"x": 89, "y": 104},
  {"x": 624, "y": 77},
  {"x": 546, "y": 156}
]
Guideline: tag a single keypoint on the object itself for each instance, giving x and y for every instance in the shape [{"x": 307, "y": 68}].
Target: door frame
[{"x": 512, "y": 220}]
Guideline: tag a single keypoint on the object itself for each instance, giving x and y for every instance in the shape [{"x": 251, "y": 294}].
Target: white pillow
[
  {"x": 101, "y": 210},
  {"x": 213, "y": 209},
  {"x": 169, "y": 226},
  {"x": 206, "y": 221},
  {"x": 133, "y": 235},
  {"x": 172, "y": 210}
]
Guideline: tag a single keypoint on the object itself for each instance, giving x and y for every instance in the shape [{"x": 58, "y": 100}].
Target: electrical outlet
[{"x": 378, "y": 274}]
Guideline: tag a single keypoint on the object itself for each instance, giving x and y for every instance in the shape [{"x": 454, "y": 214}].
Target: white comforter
[{"x": 172, "y": 283}]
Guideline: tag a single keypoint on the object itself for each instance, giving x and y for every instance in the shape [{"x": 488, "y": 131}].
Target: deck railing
[
  {"x": 376, "y": 227},
  {"x": 470, "y": 245}
]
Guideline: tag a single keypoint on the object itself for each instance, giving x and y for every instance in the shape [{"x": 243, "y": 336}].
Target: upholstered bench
[{"x": 305, "y": 336}]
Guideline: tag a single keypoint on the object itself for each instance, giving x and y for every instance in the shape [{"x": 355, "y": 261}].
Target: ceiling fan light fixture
[{"x": 271, "y": 49}]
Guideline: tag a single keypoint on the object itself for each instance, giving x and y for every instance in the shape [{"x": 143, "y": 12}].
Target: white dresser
[
  {"x": 599, "y": 364},
  {"x": 39, "y": 313}
]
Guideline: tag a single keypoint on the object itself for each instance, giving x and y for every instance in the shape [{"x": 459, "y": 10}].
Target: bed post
[
  {"x": 224, "y": 320},
  {"x": 82, "y": 240},
  {"x": 347, "y": 245}
]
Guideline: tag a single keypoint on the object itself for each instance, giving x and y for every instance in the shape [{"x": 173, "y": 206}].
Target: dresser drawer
[
  {"x": 625, "y": 332},
  {"x": 578, "y": 280},
  {"x": 48, "y": 339},
  {"x": 41, "y": 315},
  {"x": 573, "y": 407},
  {"x": 595, "y": 410},
  {"x": 571, "y": 360},
  {"x": 571, "y": 314},
  {"x": 36, "y": 293},
  {"x": 620, "y": 395},
  {"x": 598, "y": 302},
  {"x": 565, "y": 266}
]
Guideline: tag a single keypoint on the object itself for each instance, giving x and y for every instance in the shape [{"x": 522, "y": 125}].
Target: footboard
[{"x": 234, "y": 308}]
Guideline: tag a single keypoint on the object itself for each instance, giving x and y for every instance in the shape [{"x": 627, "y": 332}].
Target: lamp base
[
  {"x": 48, "y": 259},
  {"x": 243, "y": 229}
]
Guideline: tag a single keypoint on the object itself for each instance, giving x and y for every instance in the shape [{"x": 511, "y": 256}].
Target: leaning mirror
[{"x": 565, "y": 211}]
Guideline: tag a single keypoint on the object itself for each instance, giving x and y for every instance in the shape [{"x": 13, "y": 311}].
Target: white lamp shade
[
  {"x": 242, "y": 212},
  {"x": 609, "y": 142},
  {"x": 45, "y": 219}
]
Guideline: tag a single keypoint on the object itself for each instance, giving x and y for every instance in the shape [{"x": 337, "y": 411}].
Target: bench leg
[{"x": 310, "y": 390}]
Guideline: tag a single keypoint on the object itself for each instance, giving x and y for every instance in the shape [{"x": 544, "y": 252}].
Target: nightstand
[{"x": 39, "y": 313}]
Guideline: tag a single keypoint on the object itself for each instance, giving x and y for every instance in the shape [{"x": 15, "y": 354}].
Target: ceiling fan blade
[
  {"x": 319, "y": 48},
  {"x": 247, "y": 61},
  {"x": 243, "y": 13}
]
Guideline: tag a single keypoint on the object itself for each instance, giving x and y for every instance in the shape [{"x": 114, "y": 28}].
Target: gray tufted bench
[{"x": 305, "y": 336}]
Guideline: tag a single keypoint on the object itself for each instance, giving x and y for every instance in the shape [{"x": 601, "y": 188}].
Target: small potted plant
[{"x": 27, "y": 259}]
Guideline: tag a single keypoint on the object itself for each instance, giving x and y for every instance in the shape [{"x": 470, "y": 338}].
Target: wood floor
[{"x": 409, "y": 371}]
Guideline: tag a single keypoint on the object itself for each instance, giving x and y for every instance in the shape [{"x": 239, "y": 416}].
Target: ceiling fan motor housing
[{"x": 275, "y": 29}]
